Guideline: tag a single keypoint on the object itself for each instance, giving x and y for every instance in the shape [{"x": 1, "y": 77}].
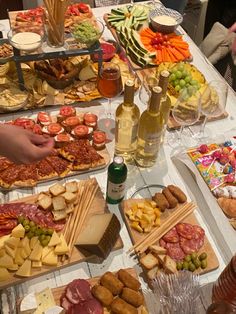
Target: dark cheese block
[{"x": 100, "y": 234}]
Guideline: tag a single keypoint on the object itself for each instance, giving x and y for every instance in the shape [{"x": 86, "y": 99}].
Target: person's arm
[{"x": 23, "y": 146}]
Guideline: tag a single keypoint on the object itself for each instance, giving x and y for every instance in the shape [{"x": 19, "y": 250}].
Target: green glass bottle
[{"x": 117, "y": 174}]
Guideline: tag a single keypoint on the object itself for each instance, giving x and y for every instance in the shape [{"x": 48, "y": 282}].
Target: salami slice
[
  {"x": 171, "y": 236},
  {"x": 162, "y": 243},
  {"x": 199, "y": 233},
  {"x": 191, "y": 246},
  {"x": 8, "y": 224},
  {"x": 67, "y": 111},
  {"x": 185, "y": 230},
  {"x": 78, "y": 291},
  {"x": 43, "y": 118},
  {"x": 175, "y": 251}
]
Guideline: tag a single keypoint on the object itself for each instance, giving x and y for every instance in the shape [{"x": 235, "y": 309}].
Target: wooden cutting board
[
  {"x": 136, "y": 236},
  {"x": 98, "y": 206},
  {"x": 172, "y": 124}
]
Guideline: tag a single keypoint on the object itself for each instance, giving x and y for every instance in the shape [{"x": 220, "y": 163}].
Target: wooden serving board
[
  {"x": 98, "y": 206},
  {"x": 136, "y": 236},
  {"x": 172, "y": 124}
]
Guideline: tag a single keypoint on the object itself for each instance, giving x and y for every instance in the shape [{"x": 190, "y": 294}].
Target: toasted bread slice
[
  {"x": 72, "y": 187},
  {"x": 156, "y": 249},
  {"x": 149, "y": 261},
  {"x": 58, "y": 202},
  {"x": 69, "y": 197},
  {"x": 45, "y": 201},
  {"x": 59, "y": 214},
  {"x": 169, "y": 265},
  {"x": 57, "y": 189}
]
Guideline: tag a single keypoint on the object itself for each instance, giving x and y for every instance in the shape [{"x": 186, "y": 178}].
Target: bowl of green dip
[{"x": 88, "y": 32}]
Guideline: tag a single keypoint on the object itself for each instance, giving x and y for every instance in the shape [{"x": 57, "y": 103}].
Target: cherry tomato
[
  {"x": 83, "y": 8},
  {"x": 165, "y": 37}
]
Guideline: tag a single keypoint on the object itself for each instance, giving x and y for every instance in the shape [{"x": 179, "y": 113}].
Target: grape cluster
[{"x": 181, "y": 79}]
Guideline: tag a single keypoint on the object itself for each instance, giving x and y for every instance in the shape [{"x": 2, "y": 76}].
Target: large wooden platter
[
  {"x": 98, "y": 206},
  {"x": 172, "y": 124},
  {"x": 213, "y": 262}
]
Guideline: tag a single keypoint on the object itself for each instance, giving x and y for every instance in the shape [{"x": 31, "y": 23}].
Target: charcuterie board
[
  {"x": 98, "y": 206},
  {"x": 191, "y": 219}
]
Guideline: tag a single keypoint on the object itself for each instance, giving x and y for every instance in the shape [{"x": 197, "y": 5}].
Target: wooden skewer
[{"x": 179, "y": 214}]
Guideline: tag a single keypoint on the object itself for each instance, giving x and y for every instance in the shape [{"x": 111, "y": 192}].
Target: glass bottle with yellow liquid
[
  {"x": 150, "y": 131},
  {"x": 165, "y": 100},
  {"x": 127, "y": 118}
]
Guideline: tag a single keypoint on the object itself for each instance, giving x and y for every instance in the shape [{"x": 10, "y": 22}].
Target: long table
[{"x": 164, "y": 172}]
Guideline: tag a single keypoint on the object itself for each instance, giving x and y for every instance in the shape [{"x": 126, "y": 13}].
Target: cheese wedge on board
[
  {"x": 25, "y": 243},
  {"x": 45, "y": 300},
  {"x": 12, "y": 242},
  {"x": 10, "y": 251},
  {"x": 25, "y": 269},
  {"x": 36, "y": 264},
  {"x": 19, "y": 260},
  {"x": 55, "y": 239},
  {"x": 18, "y": 231},
  {"x": 6, "y": 261},
  {"x": 100, "y": 234},
  {"x": 3, "y": 239},
  {"x": 28, "y": 304},
  {"x": 36, "y": 254},
  {"x": 46, "y": 251},
  {"x": 50, "y": 259},
  {"x": 33, "y": 242},
  {"x": 61, "y": 248}
]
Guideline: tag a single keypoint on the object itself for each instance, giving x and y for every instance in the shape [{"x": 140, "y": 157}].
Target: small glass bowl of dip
[
  {"x": 27, "y": 38},
  {"x": 165, "y": 20}
]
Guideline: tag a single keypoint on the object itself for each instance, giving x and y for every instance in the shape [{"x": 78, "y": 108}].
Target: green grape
[
  {"x": 185, "y": 265},
  {"x": 182, "y": 83},
  {"x": 44, "y": 230},
  {"x": 48, "y": 238},
  {"x": 193, "y": 256},
  {"x": 187, "y": 258},
  {"x": 202, "y": 256},
  {"x": 179, "y": 265},
  {"x": 194, "y": 82},
  {"x": 33, "y": 229},
  {"x": 27, "y": 228},
  {"x": 30, "y": 234},
  {"x": 177, "y": 88},
  {"x": 172, "y": 77},
  {"x": 176, "y": 82},
  {"x": 25, "y": 222},
  {"x": 32, "y": 224},
  {"x": 191, "y": 267},
  {"x": 42, "y": 237},
  {"x": 197, "y": 263},
  {"x": 178, "y": 74},
  {"x": 204, "y": 264},
  {"x": 44, "y": 242},
  {"x": 38, "y": 231},
  {"x": 184, "y": 73},
  {"x": 187, "y": 79}
]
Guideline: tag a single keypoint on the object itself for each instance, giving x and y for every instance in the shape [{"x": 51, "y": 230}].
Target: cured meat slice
[
  {"x": 171, "y": 236},
  {"x": 191, "y": 246},
  {"x": 162, "y": 243},
  {"x": 78, "y": 291},
  {"x": 198, "y": 232},
  {"x": 65, "y": 303},
  {"x": 8, "y": 224},
  {"x": 185, "y": 230},
  {"x": 175, "y": 251},
  {"x": 60, "y": 165},
  {"x": 91, "y": 306}
]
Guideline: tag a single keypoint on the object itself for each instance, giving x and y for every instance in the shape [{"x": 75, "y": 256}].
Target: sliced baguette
[
  {"x": 149, "y": 261},
  {"x": 58, "y": 203},
  {"x": 57, "y": 189}
]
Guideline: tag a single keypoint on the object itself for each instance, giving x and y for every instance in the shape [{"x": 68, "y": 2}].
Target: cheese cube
[
  {"x": 12, "y": 242},
  {"x": 18, "y": 231},
  {"x": 55, "y": 240},
  {"x": 6, "y": 261},
  {"x": 50, "y": 259},
  {"x": 4, "y": 274},
  {"x": 25, "y": 269},
  {"x": 36, "y": 264},
  {"x": 61, "y": 248},
  {"x": 36, "y": 254}
]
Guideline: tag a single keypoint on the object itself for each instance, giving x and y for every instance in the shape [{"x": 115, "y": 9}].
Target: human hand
[
  {"x": 23, "y": 146},
  {"x": 233, "y": 29}
]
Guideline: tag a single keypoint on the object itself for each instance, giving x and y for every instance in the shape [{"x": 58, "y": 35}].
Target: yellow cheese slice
[
  {"x": 36, "y": 254},
  {"x": 2, "y": 252},
  {"x": 36, "y": 264},
  {"x": 25, "y": 242},
  {"x": 46, "y": 251},
  {"x": 10, "y": 251},
  {"x": 18, "y": 231},
  {"x": 33, "y": 242},
  {"x": 12, "y": 242},
  {"x": 50, "y": 259},
  {"x": 45, "y": 300},
  {"x": 14, "y": 267},
  {"x": 4, "y": 274},
  {"x": 24, "y": 254},
  {"x": 3, "y": 239},
  {"x": 6, "y": 261},
  {"x": 19, "y": 260},
  {"x": 55, "y": 240},
  {"x": 61, "y": 248},
  {"x": 25, "y": 269}
]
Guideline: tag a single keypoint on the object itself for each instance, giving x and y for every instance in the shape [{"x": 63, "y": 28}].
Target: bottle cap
[{"x": 118, "y": 160}]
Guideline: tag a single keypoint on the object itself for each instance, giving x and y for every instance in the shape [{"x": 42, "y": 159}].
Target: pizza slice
[
  {"x": 72, "y": 150},
  {"x": 9, "y": 176},
  {"x": 96, "y": 159},
  {"x": 45, "y": 170},
  {"x": 27, "y": 175},
  {"x": 60, "y": 165},
  {"x": 4, "y": 163},
  {"x": 82, "y": 161}
]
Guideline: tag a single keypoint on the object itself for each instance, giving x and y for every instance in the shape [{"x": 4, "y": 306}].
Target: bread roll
[{"x": 228, "y": 206}]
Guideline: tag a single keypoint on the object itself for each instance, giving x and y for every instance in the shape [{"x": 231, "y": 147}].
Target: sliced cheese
[
  {"x": 18, "y": 231},
  {"x": 50, "y": 259},
  {"x": 6, "y": 261},
  {"x": 10, "y": 251},
  {"x": 33, "y": 242},
  {"x": 28, "y": 304},
  {"x": 12, "y": 242},
  {"x": 55, "y": 240},
  {"x": 3, "y": 239},
  {"x": 25, "y": 269},
  {"x": 2, "y": 252},
  {"x": 46, "y": 251},
  {"x": 55, "y": 310},
  {"x": 36, "y": 254},
  {"x": 14, "y": 267},
  {"x": 45, "y": 300},
  {"x": 4, "y": 274},
  {"x": 61, "y": 248},
  {"x": 19, "y": 260},
  {"x": 25, "y": 243},
  {"x": 100, "y": 234},
  {"x": 36, "y": 264},
  {"x": 24, "y": 254}
]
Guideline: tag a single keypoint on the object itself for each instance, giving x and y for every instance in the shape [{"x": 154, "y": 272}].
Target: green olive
[
  {"x": 50, "y": 231},
  {"x": 204, "y": 264},
  {"x": 179, "y": 265},
  {"x": 27, "y": 228},
  {"x": 42, "y": 237},
  {"x": 25, "y": 222},
  {"x": 21, "y": 219},
  {"x": 202, "y": 256},
  {"x": 38, "y": 231},
  {"x": 33, "y": 229},
  {"x": 48, "y": 238},
  {"x": 197, "y": 263},
  {"x": 44, "y": 230},
  {"x": 185, "y": 265},
  {"x": 32, "y": 224},
  {"x": 191, "y": 267},
  {"x": 187, "y": 258},
  {"x": 30, "y": 234},
  {"x": 44, "y": 242},
  {"x": 193, "y": 256}
]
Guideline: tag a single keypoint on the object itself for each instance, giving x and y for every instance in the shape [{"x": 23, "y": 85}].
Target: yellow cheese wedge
[
  {"x": 24, "y": 254},
  {"x": 61, "y": 248},
  {"x": 46, "y": 251},
  {"x": 2, "y": 252},
  {"x": 25, "y": 269},
  {"x": 6, "y": 261},
  {"x": 50, "y": 259},
  {"x": 33, "y": 242},
  {"x": 4, "y": 274},
  {"x": 18, "y": 231},
  {"x": 45, "y": 300},
  {"x": 3, "y": 239},
  {"x": 19, "y": 260},
  {"x": 25, "y": 242},
  {"x": 36, "y": 264},
  {"x": 14, "y": 267},
  {"x": 12, "y": 242},
  {"x": 36, "y": 254},
  {"x": 55, "y": 240},
  {"x": 10, "y": 251}
]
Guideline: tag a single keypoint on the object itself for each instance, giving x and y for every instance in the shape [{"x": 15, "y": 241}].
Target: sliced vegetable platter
[{"x": 144, "y": 46}]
